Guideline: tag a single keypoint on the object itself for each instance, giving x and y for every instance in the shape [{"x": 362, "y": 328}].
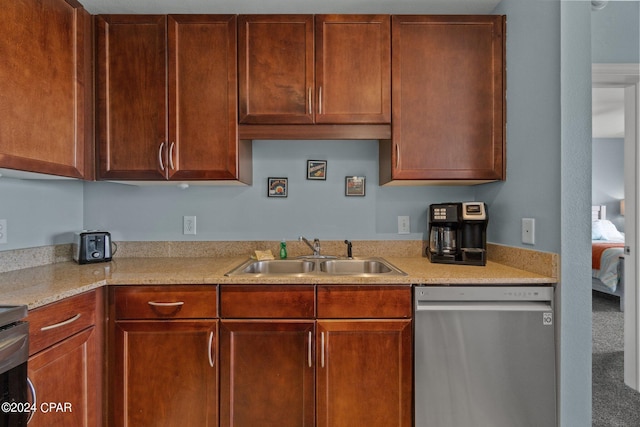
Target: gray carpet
[{"x": 614, "y": 404}]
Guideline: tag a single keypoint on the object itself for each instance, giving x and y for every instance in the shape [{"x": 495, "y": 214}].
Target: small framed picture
[
  {"x": 277, "y": 187},
  {"x": 354, "y": 186},
  {"x": 317, "y": 169}
]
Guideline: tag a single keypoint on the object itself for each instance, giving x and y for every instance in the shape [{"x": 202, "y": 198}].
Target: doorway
[{"x": 627, "y": 77}]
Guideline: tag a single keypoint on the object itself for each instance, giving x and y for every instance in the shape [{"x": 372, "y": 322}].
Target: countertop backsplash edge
[{"x": 539, "y": 262}]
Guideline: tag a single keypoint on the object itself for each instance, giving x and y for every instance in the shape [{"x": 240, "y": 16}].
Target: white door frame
[{"x": 627, "y": 76}]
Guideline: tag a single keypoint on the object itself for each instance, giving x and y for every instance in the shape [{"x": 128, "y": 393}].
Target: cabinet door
[
  {"x": 65, "y": 379},
  {"x": 275, "y": 68},
  {"x": 353, "y": 68},
  {"x": 267, "y": 374},
  {"x": 165, "y": 373},
  {"x": 131, "y": 96},
  {"x": 203, "y": 140},
  {"x": 364, "y": 373},
  {"x": 448, "y": 98},
  {"x": 45, "y": 87}
]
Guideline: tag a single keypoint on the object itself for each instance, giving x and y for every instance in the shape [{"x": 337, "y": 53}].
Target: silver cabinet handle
[
  {"x": 309, "y": 351},
  {"x": 320, "y": 99},
  {"x": 64, "y": 323},
  {"x": 173, "y": 145},
  {"x": 209, "y": 350},
  {"x": 166, "y": 304},
  {"x": 160, "y": 151},
  {"x": 34, "y": 398},
  {"x": 397, "y": 156},
  {"x": 310, "y": 102},
  {"x": 322, "y": 348}
]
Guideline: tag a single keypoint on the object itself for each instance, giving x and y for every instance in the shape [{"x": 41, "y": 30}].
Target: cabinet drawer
[
  {"x": 267, "y": 302},
  {"x": 165, "y": 302},
  {"x": 369, "y": 301},
  {"x": 54, "y": 322}
]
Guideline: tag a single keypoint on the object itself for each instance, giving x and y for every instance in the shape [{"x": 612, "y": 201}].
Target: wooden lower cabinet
[
  {"x": 283, "y": 356},
  {"x": 65, "y": 381},
  {"x": 364, "y": 373},
  {"x": 267, "y": 374},
  {"x": 165, "y": 373},
  {"x": 65, "y": 361},
  {"x": 348, "y": 369}
]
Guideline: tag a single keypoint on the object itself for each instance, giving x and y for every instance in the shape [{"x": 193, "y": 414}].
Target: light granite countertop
[{"x": 42, "y": 285}]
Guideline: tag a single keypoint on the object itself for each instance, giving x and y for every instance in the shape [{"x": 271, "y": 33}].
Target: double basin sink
[{"x": 318, "y": 266}]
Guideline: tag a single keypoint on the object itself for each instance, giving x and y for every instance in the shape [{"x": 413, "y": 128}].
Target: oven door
[{"x": 14, "y": 352}]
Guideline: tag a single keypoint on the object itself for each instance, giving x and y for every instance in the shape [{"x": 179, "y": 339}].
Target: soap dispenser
[{"x": 283, "y": 249}]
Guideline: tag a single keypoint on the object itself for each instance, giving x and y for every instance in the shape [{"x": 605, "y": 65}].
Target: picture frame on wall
[
  {"x": 354, "y": 186},
  {"x": 277, "y": 186},
  {"x": 317, "y": 169}
]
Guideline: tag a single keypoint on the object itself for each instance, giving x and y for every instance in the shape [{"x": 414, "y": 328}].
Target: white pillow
[{"x": 603, "y": 229}]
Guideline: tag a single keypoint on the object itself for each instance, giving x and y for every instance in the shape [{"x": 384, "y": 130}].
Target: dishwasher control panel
[{"x": 484, "y": 293}]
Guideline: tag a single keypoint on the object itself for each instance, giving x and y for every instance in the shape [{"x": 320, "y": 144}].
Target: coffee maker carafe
[{"x": 457, "y": 233}]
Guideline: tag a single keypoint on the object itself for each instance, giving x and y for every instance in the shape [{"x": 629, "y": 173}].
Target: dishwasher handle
[{"x": 483, "y": 306}]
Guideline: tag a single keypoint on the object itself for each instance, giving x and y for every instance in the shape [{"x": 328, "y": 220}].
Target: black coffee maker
[{"x": 458, "y": 233}]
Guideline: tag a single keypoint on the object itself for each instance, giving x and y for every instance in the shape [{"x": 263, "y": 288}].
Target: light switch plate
[
  {"x": 404, "y": 225},
  {"x": 529, "y": 231}
]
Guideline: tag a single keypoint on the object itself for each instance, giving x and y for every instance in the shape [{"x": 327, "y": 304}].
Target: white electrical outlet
[
  {"x": 529, "y": 231},
  {"x": 404, "y": 225},
  {"x": 3, "y": 231},
  {"x": 189, "y": 224}
]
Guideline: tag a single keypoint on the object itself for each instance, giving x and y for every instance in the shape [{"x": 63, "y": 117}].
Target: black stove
[
  {"x": 14, "y": 352},
  {"x": 11, "y": 314}
]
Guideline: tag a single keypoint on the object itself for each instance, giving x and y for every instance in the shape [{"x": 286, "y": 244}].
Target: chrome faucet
[{"x": 315, "y": 247}]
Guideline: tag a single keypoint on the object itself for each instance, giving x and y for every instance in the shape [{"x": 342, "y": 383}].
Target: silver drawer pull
[
  {"x": 322, "y": 352},
  {"x": 166, "y": 304},
  {"x": 160, "y": 155},
  {"x": 171, "y": 148},
  {"x": 309, "y": 351},
  {"x": 211, "y": 358},
  {"x": 58, "y": 325}
]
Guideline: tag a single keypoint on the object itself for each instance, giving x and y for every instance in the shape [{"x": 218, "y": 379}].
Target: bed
[{"x": 607, "y": 255}]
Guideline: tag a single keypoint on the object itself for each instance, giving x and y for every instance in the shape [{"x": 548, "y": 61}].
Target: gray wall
[
  {"x": 607, "y": 171},
  {"x": 40, "y": 213},
  {"x": 312, "y": 208},
  {"x": 615, "y": 33},
  {"x": 574, "y": 291}
]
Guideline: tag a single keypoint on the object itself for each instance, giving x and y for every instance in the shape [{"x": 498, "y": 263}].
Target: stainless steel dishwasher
[{"x": 484, "y": 356}]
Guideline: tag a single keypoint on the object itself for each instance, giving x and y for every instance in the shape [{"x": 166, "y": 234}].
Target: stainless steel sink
[
  {"x": 284, "y": 266},
  {"x": 317, "y": 266},
  {"x": 356, "y": 266}
]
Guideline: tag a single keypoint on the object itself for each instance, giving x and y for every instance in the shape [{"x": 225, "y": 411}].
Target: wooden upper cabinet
[
  {"x": 132, "y": 96},
  {"x": 275, "y": 68},
  {"x": 203, "y": 134},
  {"x": 167, "y": 98},
  {"x": 345, "y": 79},
  {"x": 45, "y": 88},
  {"x": 448, "y": 99},
  {"x": 353, "y": 69}
]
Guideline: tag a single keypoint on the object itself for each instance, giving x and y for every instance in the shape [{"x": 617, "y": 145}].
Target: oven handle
[
  {"x": 34, "y": 404},
  {"x": 11, "y": 345}
]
